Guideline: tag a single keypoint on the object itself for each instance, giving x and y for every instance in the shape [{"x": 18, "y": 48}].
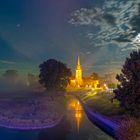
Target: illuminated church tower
[{"x": 78, "y": 75}]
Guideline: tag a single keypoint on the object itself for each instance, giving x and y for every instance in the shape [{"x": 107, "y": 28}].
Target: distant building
[{"x": 79, "y": 81}]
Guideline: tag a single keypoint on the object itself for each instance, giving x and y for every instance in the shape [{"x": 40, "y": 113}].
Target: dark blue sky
[{"x": 32, "y": 31}]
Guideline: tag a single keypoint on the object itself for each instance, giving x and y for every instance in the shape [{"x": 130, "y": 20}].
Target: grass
[{"x": 101, "y": 102}]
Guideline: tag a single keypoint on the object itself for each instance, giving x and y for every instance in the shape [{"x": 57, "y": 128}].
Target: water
[{"x": 74, "y": 126}]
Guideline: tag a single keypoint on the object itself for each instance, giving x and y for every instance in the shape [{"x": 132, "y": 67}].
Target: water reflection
[
  {"x": 77, "y": 108},
  {"x": 74, "y": 126},
  {"x": 59, "y": 132}
]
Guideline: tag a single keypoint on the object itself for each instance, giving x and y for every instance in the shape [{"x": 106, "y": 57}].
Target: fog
[
  {"x": 9, "y": 85},
  {"x": 11, "y": 81}
]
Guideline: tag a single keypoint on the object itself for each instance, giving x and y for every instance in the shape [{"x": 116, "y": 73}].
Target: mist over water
[{"x": 12, "y": 81}]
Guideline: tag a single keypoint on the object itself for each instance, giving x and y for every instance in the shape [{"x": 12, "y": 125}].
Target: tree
[
  {"x": 128, "y": 129},
  {"x": 128, "y": 91},
  {"x": 54, "y": 75},
  {"x": 95, "y": 76},
  {"x": 111, "y": 85}
]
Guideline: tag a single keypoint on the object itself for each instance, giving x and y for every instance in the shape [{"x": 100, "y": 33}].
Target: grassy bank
[{"x": 102, "y": 102}]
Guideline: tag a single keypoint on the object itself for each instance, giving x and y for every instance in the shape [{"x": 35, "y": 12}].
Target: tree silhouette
[
  {"x": 95, "y": 76},
  {"x": 128, "y": 92},
  {"x": 54, "y": 75}
]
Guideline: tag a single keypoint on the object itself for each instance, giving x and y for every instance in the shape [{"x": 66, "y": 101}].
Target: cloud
[
  {"x": 86, "y": 16},
  {"x": 136, "y": 42},
  {"x": 110, "y": 19},
  {"x": 103, "y": 60},
  {"x": 117, "y": 23},
  {"x": 7, "y": 62}
]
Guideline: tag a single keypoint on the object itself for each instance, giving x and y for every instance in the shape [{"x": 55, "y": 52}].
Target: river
[{"x": 74, "y": 126}]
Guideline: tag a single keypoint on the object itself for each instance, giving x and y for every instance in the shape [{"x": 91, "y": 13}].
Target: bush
[{"x": 128, "y": 130}]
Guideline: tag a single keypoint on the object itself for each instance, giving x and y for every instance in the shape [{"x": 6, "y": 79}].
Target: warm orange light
[
  {"x": 78, "y": 116},
  {"x": 104, "y": 85},
  {"x": 78, "y": 75},
  {"x": 79, "y": 82},
  {"x": 74, "y": 104}
]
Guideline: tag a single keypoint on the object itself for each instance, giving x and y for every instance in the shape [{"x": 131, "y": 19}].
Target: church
[{"x": 78, "y": 80}]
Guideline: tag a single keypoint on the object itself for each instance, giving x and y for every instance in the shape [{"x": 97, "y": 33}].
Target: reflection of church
[{"x": 79, "y": 81}]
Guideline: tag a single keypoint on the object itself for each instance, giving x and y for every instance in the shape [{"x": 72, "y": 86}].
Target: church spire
[
  {"x": 78, "y": 76},
  {"x": 78, "y": 63}
]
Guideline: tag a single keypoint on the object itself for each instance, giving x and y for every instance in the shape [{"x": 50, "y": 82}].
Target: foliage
[
  {"x": 54, "y": 75},
  {"x": 95, "y": 76},
  {"x": 128, "y": 92},
  {"x": 112, "y": 85},
  {"x": 128, "y": 129}
]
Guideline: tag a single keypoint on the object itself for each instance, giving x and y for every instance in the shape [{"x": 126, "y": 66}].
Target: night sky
[{"x": 102, "y": 32}]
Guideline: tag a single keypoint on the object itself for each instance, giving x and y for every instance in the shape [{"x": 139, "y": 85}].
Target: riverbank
[
  {"x": 82, "y": 127},
  {"x": 75, "y": 125},
  {"x": 30, "y": 111},
  {"x": 108, "y": 115},
  {"x": 102, "y": 102}
]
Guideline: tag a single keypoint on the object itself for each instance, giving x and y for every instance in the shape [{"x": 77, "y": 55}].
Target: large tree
[
  {"x": 54, "y": 75},
  {"x": 128, "y": 91}
]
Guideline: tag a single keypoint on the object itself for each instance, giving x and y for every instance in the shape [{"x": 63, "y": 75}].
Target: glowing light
[
  {"x": 78, "y": 116},
  {"x": 105, "y": 85},
  {"x": 78, "y": 81},
  {"x": 78, "y": 75},
  {"x": 74, "y": 104}
]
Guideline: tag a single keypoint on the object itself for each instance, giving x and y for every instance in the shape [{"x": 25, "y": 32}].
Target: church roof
[{"x": 78, "y": 63}]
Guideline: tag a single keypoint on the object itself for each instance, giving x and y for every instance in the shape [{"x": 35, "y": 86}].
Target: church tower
[{"x": 78, "y": 75}]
